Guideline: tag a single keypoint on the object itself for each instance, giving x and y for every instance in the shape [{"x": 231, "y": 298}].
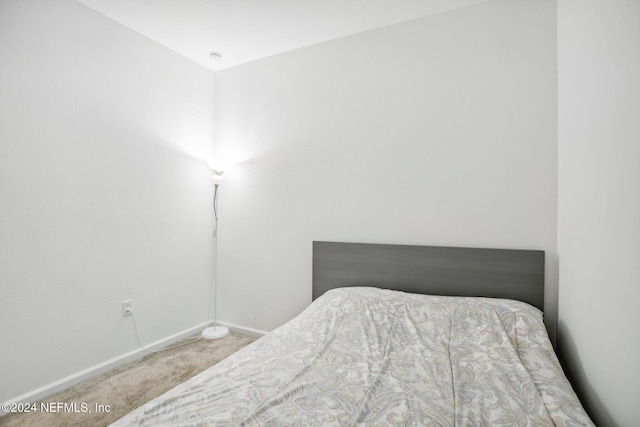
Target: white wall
[
  {"x": 102, "y": 196},
  {"x": 599, "y": 204},
  {"x": 439, "y": 131}
]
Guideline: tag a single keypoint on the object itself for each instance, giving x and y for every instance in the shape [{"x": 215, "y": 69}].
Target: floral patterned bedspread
[{"x": 371, "y": 357}]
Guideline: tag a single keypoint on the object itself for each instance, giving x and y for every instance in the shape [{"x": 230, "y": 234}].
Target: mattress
[{"x": 372, "y": 357}]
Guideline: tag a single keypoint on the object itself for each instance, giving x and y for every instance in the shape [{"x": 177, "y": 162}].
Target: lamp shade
[{"x": 219, "y": 166}]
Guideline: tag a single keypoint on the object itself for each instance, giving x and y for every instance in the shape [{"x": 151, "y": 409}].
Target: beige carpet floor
[{"x": 129, "y": 386}]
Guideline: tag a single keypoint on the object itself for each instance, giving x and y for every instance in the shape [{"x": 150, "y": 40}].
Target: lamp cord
[
  {"x": 214, "y": 272},
  {"x": 135, "y": 325},
  {"x": 214, "y": 280}
]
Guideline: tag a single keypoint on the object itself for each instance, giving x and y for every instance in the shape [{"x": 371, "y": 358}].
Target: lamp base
[{"x": 215, "y": 332}]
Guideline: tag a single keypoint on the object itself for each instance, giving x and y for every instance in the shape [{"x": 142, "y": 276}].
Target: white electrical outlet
[{"x": 127, "y": 307}]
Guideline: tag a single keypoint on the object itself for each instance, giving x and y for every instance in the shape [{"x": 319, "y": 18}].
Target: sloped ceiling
[{"x": 247, "y": 30}]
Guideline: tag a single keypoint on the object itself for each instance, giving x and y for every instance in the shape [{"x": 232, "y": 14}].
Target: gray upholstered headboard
[{"x": 435, "y": 270}]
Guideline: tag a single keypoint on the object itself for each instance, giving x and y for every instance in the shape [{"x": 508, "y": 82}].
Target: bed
[{"x": 395, "y": 335}]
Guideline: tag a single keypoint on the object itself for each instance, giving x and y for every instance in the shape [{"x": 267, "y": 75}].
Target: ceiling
[{"x": 247, "y": 30}]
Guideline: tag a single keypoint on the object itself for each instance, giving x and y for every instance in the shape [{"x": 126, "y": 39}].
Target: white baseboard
[
  {"x": 68, "y": 381},
  {"x": 256, "y": 333}
]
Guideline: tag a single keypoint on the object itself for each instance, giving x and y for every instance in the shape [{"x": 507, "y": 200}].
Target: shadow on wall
[{"x": 575, "y": 372}]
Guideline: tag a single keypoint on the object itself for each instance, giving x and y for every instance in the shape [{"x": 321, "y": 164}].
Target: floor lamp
[{"x": 216, "y": 331}]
